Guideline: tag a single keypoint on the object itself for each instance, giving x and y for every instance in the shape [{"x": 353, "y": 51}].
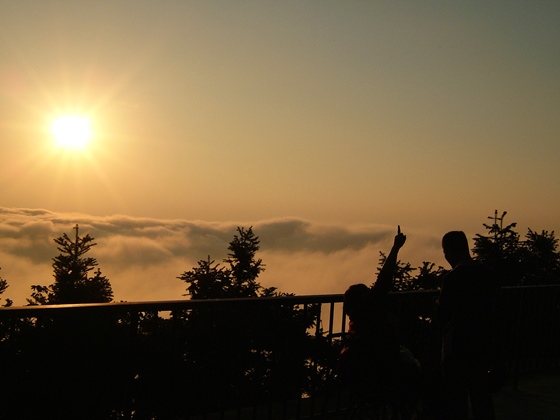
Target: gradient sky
[{"x": 350, "y": 116}]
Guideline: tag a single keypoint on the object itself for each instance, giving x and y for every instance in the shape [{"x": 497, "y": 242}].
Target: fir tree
[
  {"x": 71, "y": 269},
  {"x": 3, "y": 287},
  {"x": 244, "y": 267},
  {"x": 540, "y": 258},
  {"x": 239, "y": 279},
  {"x": 500, "y": 249}
]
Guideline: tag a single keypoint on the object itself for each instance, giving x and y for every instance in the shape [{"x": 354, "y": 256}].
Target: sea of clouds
[{"x": 142, "y": 257}]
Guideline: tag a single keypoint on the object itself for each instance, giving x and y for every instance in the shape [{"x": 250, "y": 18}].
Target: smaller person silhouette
[
  {"x": 370, "y": 356},
  {"x": 467, "y": 308}
]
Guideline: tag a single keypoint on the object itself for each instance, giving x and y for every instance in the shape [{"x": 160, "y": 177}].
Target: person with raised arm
[{"x": 371, "y": 352}]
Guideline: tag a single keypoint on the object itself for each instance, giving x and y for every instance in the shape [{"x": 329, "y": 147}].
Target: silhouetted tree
[
  {"x": 500, "y": 249},
  {"x": 74, "y": 354},
  {"x": 269, "y": 344},
  {"x": 71, "y": 269},
  {"x": 207, "y": 281},
  {"x": 517, "y": 262},
  {"x": 239, "y": 279},
  {"x": 539, "y": 258},
  {"x": 535, "y": 260},
  {"x": 429, "y": 277},
  {"x": 3, "y": 287},
  {"x": 244, "y": 266}
]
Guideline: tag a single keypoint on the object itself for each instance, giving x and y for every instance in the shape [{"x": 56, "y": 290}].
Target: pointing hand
[{"x": 400, "y": 238}]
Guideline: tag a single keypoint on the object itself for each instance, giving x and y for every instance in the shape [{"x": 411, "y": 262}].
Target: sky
[{"x": 322, "y": 124}]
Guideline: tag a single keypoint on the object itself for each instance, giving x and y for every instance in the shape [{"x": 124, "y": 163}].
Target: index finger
[{"x": 399, "y": 229}]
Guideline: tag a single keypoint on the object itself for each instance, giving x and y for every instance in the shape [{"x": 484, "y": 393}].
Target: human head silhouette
[
  {"x": 455, "y": 247},
  {"x": 355, "y": 299}
]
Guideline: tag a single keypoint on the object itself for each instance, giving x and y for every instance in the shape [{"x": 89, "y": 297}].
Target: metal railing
[{"x": 268, "y": 357}]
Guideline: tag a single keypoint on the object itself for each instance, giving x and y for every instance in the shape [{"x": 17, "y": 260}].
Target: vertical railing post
[
  {"x": 331, "y": 321},
  {"x": 132, "y": 344},
  {"x": 517, "y": 344},
  {"x": 318, "y": 320}
]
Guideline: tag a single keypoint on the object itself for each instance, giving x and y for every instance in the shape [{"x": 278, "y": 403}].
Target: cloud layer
[{"x": 142, "y": 257}]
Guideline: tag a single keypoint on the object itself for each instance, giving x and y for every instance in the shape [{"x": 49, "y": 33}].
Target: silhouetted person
[
  {"x": 467, "y": 308},
  {"x": 369, "y": 358}
]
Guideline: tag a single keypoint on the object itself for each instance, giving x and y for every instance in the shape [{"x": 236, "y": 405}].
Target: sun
[{"x": 71, "y": 131}]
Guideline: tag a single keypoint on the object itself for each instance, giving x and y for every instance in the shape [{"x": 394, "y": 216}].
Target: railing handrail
[
  {"x": 186, "y": 304},
  {"x": 167, "y": 305}
]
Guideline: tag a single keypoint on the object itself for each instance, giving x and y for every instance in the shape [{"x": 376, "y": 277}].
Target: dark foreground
[{"x": 538, "y": 398}]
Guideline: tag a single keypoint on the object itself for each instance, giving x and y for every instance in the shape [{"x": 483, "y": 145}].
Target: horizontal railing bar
[
  {"x": 186, "y": 304},
  {"x": 170, "y": 305}
]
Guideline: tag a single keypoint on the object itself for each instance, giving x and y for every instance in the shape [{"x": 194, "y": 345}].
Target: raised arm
[{"x": 384, "y": 281}]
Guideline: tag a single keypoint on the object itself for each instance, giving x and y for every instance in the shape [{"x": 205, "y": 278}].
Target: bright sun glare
[{"x": 71, "y": 131}]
